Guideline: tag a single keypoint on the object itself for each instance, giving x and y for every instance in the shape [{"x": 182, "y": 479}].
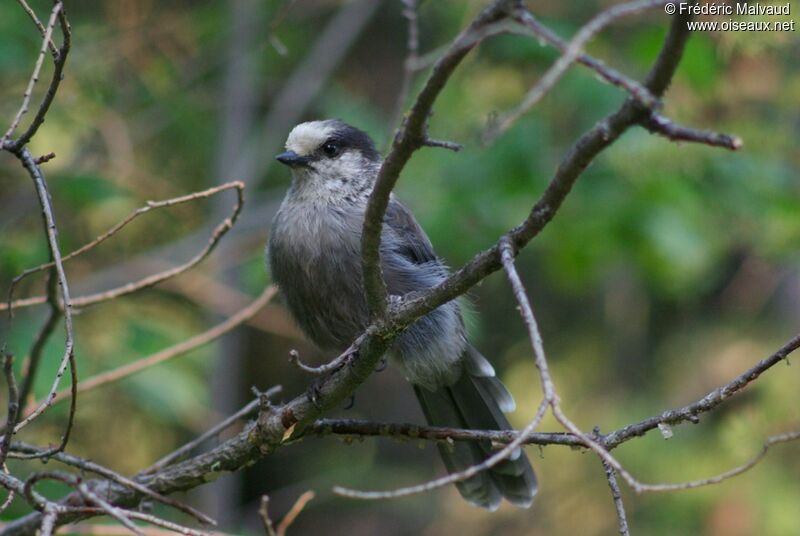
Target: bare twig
[
  {"x": 248, "y": 410},
  {"x": 408, "y": 431},
  {"x": 11, "y": 493},
  {"x": 570, "y": 54},
  {"x": 616, "y": 495},
  {"x": 45, "y": 158},
  {"x": 294, "y": 358},
  {"x": 13, "y": 407},
  {"x": 551, "y": 398},
  {"x": 69, "y": 357},
  {"x": 488, "y": 463},
  {"x": 38, "y": 501},
  {"x": 772, "y": 440},
  {"x": 60, "y": 59},
  {"x": 92, "y": 467},
  {"x": 108, "y": 530},
  {"x": 690, "y": 412},
  {"x": 266, "y": 521},
  {"x": 658, "y": 124},
  {"x": 31, "y": 364},
  {"x": 154, "y": 279},
  {"x": 173, "y": 351},
  {"x": 412, "y": 56},
  {"x": 38, "y": 23},
  {"x": 117, "y": 513},
  {"x": 443, "y": 144},
  {"x": 637, "y": 90},
  {"x": 293, "y": 512},
  {"x": 26, "y": 97}
]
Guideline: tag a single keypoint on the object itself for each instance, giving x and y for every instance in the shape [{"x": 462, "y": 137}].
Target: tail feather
[
  {"x": 440, "y": 410},
  {"x": 476, "y": 401}
]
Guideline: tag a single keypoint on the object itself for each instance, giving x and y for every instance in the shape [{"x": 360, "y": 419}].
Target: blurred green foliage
[{"x": 669, "y": 269}]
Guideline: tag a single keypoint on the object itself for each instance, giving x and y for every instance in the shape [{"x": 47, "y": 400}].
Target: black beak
[{"x": 292, "y": 159}]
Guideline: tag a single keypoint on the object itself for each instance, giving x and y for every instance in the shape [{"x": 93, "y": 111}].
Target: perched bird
[{"x": 314, "y": 256}]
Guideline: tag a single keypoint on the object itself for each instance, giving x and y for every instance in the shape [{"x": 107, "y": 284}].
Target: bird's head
[{"x": 330, "y": 155}]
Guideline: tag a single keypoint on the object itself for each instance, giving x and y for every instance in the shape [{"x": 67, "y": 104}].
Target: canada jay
[{"x": 314, "y": 255}]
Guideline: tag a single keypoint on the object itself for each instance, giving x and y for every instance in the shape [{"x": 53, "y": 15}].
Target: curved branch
[
  {"x": 412, "y": 135},
  {"x": 152, "y": 280}
]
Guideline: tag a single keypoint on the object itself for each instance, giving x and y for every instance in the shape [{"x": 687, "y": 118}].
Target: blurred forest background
[{"x": 670, "y": 269}]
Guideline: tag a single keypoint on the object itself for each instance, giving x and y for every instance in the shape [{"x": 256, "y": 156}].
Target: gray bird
[{"x": 314, "y": 255}]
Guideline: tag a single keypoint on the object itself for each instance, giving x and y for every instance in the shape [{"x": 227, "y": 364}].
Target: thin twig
[
  {"x": 772, "y": 440},
  {"x": 658, "y": 124},
  {"x": 13, "y": 407},
  {"x": 30, "y": 366},
  {"x": 525, "y": 309},
  {"x": 69, "y": 356},
  {"x": 570, "y": 54},
  {"x": 12, "y": 493},
  {"x": 248, "y": 410},
  {"x": 26, "y": 97},
  {"x": 616, "y": 495},
  {"x": 293, "y": 512},
  {"x": 108, "y": 530},
  {"x": 92, "y": 467},
  {"x": 452, "y": 478},
  {"x": 38, "y": 501},
  {"x": 294, "y": 358},
  {"x": 113, "y": 511},
  {"x": 408, "y": 431},
  {"x": 45, "y": 158},
  {"x": 38, "y": 23},
  {"x": 266, "y": 521},
  {"x": 173, "y": 351},
  {"x": 551, "y": 398},
  {"x": 103, "y": 506},
  {"x": 60, "y": 60},
  {"x": 711, "y": 400},
  {"x": 152, "y": 280},
  {"x": 611, "y": 440},
  {"x": 443, "y": 144},
  {"x": 412, "y": 56},
  {"x": 614, "y": 77}
]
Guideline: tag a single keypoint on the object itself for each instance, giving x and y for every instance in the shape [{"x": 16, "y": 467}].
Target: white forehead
[{"x": 307, "y": 137}]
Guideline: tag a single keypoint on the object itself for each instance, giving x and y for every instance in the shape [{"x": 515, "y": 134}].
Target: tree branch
[
  {"x": 152, "y": 280},
  {"x": 570, "y": 54},
  {"x": 411, "y": 136},
  {"x": 616, "y": 495},
  {"x": 166, "y": 354},
  {"x": 663, "y": 126}
]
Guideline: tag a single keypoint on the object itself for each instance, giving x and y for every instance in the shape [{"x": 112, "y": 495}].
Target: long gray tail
[{"x": 477, "y": 401}]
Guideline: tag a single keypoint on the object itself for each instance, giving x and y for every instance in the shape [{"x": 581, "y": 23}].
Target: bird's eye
[{"x": 330, "y": 149}]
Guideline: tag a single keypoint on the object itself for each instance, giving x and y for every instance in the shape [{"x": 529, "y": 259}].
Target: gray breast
[
  {"x": 315, "y": 261},
  {"x": 314, "y": 256}
]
